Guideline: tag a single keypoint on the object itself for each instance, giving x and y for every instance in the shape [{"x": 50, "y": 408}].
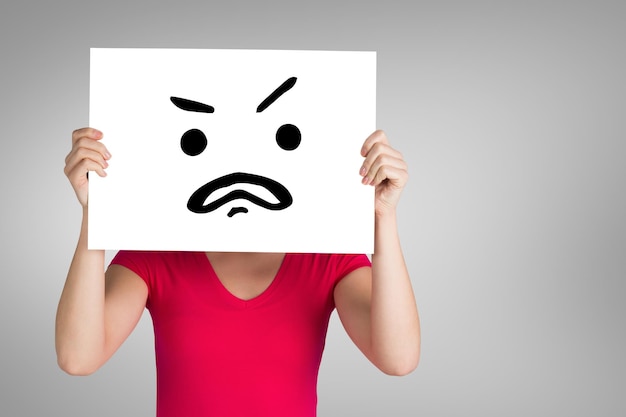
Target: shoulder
[
  {"x": 159, "y": 270},
  {"x": 140, "y": 262},
  {"x": 329, "y": 265},
  {"x": 151, "y": 264}
]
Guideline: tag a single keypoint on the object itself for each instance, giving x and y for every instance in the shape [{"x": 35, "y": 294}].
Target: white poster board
[{"x": 232, "y": 150}]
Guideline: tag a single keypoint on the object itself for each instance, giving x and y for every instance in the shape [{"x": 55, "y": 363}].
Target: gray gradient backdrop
[{"x": 511, "y": 117}]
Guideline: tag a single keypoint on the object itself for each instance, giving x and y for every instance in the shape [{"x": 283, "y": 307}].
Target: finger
[
  {"x": 377, "y": 137},
  {"x": 88, "y": 147},
  {"x": 80, "y": 154},
  {"x": 78, "y": 174},
  {"x": 89, "y": 138},
  {"x": 375, "y": 171},
  {"x": 86, "y": 132},
  {"x": 375, "y": 153},
  {"x": 83, "y": 143},
  {"x": 397, "y": 176}
]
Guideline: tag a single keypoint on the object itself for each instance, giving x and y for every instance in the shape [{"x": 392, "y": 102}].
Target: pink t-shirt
[{"x": 220, "y": 356}]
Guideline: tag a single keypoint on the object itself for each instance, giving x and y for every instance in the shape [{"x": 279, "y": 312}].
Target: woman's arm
[
  {"x": 95, "y": 313},
  {"x": 377, "y": 306}
]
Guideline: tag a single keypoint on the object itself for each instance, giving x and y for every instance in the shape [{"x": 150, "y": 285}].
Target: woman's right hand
[{"x": 87, "y": 154}]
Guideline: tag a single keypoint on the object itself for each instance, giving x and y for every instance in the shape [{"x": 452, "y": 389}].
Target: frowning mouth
[{"x": 198, "y": 201}]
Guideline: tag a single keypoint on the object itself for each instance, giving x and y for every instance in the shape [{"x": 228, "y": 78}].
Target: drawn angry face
[{"x": 193, "y": 142}]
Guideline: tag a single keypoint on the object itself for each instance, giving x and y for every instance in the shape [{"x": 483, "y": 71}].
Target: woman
[{"x": 240, "y": 334}]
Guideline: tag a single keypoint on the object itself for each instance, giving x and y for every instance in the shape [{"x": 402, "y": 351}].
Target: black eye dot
[
  {"x": 288, "y": 137},
  {"x": 193, "y": 142}
]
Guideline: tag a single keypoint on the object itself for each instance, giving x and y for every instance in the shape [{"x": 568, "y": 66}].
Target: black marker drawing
[
  {"x": 236, "y": 210},
  {"x": 284, "y": 87},
  {"x": 189, "y": 105},
  {"x": 197, "y": 200},
  {"x": 288, "y": 137},
  {"x": 193, "y": 142}
]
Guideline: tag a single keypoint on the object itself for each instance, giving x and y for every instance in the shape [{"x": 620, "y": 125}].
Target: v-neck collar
[{"x": 237, "y": 302}]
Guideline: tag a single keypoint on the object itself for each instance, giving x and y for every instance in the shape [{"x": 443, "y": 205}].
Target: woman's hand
[
  {"x": 87, "y": 154},
  {"x": 385, "y": 169}
]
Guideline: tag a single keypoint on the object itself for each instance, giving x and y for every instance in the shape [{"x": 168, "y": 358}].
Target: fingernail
[
  {"x": 363, "y": 170},
  {"x": 107, "y": 155},
  {"x": 365, "y": 180}
]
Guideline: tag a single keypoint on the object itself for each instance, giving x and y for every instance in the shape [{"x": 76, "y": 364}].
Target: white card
[{"x": 232, "y": 150}]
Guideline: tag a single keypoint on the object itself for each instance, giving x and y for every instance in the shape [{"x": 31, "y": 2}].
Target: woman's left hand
[{"x": 384, "y": 168}]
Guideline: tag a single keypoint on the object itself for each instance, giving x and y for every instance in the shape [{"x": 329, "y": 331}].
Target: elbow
[
  {"x": 78, "y": 358},
  {"x": 399, "y": 364},
  {"x": 75, "y": 367},
  {"x": 400, "y": 367}
]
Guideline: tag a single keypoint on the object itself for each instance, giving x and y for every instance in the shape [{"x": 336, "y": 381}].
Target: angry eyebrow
[
  {"x": 282, "y": 89},
  {"x": 189, "y": 105}
]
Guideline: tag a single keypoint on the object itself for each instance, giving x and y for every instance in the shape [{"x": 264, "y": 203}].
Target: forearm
[
  {"x": 80, "y": 331},
  {"x": 395, "y": 328}
]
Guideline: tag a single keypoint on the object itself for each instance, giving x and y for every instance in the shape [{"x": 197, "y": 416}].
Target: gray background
[{"x": 511, "y": 117}]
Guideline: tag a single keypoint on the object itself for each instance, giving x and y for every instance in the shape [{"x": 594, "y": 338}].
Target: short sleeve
[
  {"x": 344, "y": 264},
  {"x": 141, "y": 263}
]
